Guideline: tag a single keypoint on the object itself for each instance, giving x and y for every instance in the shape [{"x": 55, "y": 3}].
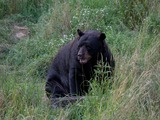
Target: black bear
[{"x": 73, "y": 66}]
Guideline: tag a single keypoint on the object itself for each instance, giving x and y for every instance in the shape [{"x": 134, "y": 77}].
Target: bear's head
[{"x": 90, "y": 44}]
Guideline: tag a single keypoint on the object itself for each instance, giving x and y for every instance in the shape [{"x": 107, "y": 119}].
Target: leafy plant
[{"x": 132, "y": 30}]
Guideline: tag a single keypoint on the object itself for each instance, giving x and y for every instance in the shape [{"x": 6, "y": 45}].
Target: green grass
[{"x": 133, "y": 34}]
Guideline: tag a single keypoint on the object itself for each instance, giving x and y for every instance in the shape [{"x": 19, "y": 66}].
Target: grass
[{"x": 135, "y": 91}]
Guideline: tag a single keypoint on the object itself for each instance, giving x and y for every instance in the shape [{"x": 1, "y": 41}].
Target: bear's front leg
[{"x": 74, "y": 82}]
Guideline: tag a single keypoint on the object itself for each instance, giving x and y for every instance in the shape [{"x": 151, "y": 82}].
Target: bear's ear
[
  {"x": 80, "y": 33},
  {"x": 102, "y": 36}
]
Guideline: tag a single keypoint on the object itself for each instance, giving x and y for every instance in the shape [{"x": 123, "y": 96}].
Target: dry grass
[{"x": 135, "y": 93}]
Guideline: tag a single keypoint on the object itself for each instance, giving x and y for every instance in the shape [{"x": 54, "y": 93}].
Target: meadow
[{"x": 132, "y": 28}]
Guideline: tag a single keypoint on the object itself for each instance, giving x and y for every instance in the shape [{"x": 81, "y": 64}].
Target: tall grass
[
  {"x": 132, "y": 29},
  {"x": 134, "y": 93},
  {"x": 30, "y": 9}
]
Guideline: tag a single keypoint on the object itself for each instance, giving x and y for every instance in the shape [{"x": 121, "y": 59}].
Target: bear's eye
[{"x": 88, "y": 47}]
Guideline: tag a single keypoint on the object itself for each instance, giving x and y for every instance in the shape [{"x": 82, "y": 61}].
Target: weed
[{"x": 132, "y": 30}]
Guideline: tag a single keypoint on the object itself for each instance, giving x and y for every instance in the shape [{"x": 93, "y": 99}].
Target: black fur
[{"x": 68, "y": 76}]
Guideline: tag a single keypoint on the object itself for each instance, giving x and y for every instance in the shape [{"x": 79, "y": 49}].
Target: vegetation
[{"x": 133, "y": 34}]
